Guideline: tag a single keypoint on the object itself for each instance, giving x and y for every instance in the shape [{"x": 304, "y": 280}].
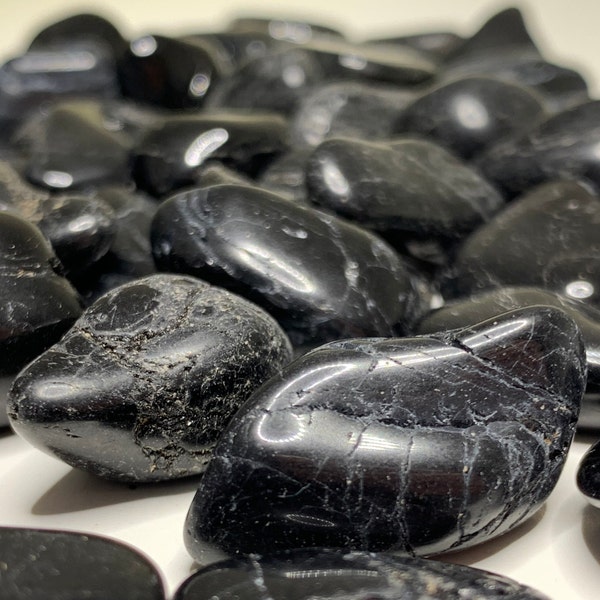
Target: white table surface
[{"x": 557, "y": 552}]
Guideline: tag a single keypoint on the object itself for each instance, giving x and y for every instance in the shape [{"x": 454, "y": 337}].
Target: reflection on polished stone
[
  {"x": 588, "y": 475},
  {"x": 417, "y": 445}
]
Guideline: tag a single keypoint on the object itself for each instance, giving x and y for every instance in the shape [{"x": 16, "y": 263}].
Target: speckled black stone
[
  {"x": 417, "y": 445},
  {"x": 60, "y": 565},
  {"x": 330, "y": 574},
  {"x": 588, "y": 475},
  {"x": 408, "y": 186},
  {"x": 487, "y": 305},
  {"x": 349, "y": 109},
  {"x": 469, "y": 114},
  {"x": 37, "y": 304},
  {"x": 142, "y": 385},
  {"x": 170, "y": 154},
  {"x": 321, "y": 277},
  {"x": 548, "y": 238}
]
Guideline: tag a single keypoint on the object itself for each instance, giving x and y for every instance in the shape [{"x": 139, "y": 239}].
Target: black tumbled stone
[
  {"x": 60, "y": 565},
  {"x": 321, "y": 277},
  {"x": 588, "y": 475},
  {"x": 142, "y": 385},
  {"x": 330, "y": 574},
  {"x": 417, "y": 445}
]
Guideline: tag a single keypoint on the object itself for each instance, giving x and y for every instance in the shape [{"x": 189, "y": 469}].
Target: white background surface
[{"x": 558, "y": 551}]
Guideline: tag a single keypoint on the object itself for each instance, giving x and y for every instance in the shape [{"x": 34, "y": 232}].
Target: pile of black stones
[{"x": 354, "y": 286}]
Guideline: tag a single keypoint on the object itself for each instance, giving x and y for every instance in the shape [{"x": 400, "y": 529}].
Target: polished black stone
[
  {"x": 504, "y": 49},
  {"x": 588, "y": 475},
  {"x": 437, "y": 44},
  {"x": 409, "y": 186},
  {"x": 169, "y": 156},
  {"x": 486, "y": 305},
  {"x": 142, "y": 385},
  {"x": 467, "y": 115},
  {"x": 216, "y": 173},
  {"x": 84, "y": 27},
  {"x": 562, "y": 146},
  {"x": 169, "y": 72},
  {"x": 321, "y": 277},
  {"x": 548, "y": 238},
  {"x": 274, "y": 81},
  {"x": 330, "y": 574},
  {"x": 61, "y": 565},
  {"x": 286, "y": 175},
  {"x": 31, "y": 81},
  {"x": 37, "y": 304},
  {"x": 69, "y": 147},
  {"x": 417, "y": 445},
  {"x": 348, "y": 108},
  {"x": 283, "y": 30}
]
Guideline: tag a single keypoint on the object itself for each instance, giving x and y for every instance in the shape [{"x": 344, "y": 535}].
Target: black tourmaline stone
[
  {"x": 417, "y": 445},
  {"x": 564, "y": 145},
  {"x": 469, "y": 114},
  {"x": 172, "y": 152},
  {"x": 37, "y": 304},
  {"x": 61, "y": 565},
  {"x": 408, "y": 186},
  {"x": 547, "y": 239},
  {"x": 169, "y": 72},
  {"x": 321, "y": 277},
  {"x": 143, "y": 384},
  {"x": 588, "y": 475},
  {"x": 487, "y": 305},
  {"x": 331, "y": 574}
]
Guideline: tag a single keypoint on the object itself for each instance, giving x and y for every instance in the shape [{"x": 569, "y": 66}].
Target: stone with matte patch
[
  {"x": 416, "y": 445},
  {"x": 59, "y": 565},
  {"x": 330, "y": 574},
  {"x": 321, "y": 277},
  {"x": 142, "y": 385}
]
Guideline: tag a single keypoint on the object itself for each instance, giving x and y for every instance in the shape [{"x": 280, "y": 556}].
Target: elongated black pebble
[
  {"x": 417, "y": 445},
  {"x": 331, "y": 574},
  {"x": 37, "y": 303},
  {"x": 321, "y": 277},
  {"x": 143, "y": 384},
  {"x": 61, "y": 565}
]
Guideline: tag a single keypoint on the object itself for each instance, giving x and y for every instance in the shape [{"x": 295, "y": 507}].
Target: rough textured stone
[
  {"x": 327, "y": 575},
  {"x": 417, "y": 445},
  {"x": 142, "y": 385},
  {"x": 321, "y": 277},
  {"x": 60, "y": 565}
]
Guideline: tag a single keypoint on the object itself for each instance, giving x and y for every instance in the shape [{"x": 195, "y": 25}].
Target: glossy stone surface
[
  {"x": 169, "y": 72},
  {"x": 37, "y": 304},
  {"x": 329, "y": 574},
  {"x": 283, "y": 30},
  {"x": 349, "y": 109},
  {"x": 40, "y": 76},
  {"x": 417, "y": 445},
  {"x": 469, "y": 114},
  {"x": 437, "y": 44},
  {"x": 487, "y": 305},
  {"x": 321, "y": 277},
  {"x": 68, "y": 147},
  {"x": 410, "y": 186},
  {"x": 275, "y": 81},
  {"x": 56, "y": 565},
  {"x": 286, "y": 175},
  {"x": 169, "y": 156},
  {"x": 588, "y": 475},
  {"x": 548, "y": 238},
  {"x": 142, "y": 385},
  {"x": 561, "y": 146}
]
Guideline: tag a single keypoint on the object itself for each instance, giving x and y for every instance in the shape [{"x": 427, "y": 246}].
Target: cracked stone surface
[
  {"x": 417, "y": 445},
  {"x": 588, "y": 475},
  {"x": 321, "y": 277},
  {"x": 143, "y": 384},
  {"x": 492, "y": 303},
  {"x": 37, "y": 303},
  {"x": 60, "y": 565},
  {"x": 330, "y": 574}
]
